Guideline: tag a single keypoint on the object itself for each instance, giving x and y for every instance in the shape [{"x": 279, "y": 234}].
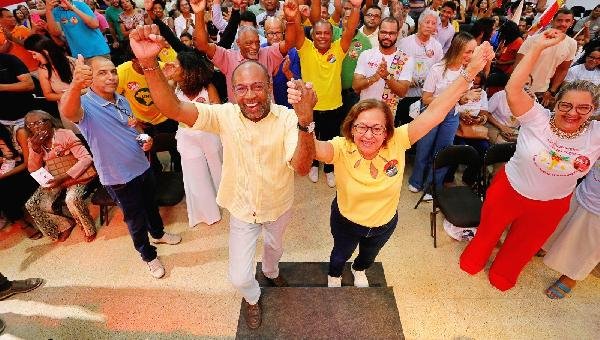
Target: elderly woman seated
[{"x": 65, "y": 157}]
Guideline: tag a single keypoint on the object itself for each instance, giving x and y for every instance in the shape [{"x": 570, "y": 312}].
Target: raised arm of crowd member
[
  {"x": 230, "y": 31},
  {"x": 315, "y": 11},
  {"x": 52, "y": 25},
  {"x": 336, "y": 16},
  {"x": 70, "y": 103},
  {"x": 518, "y": 100},
  {"x": 217, "y": 16},
  {"x": 201, "y": 39}
]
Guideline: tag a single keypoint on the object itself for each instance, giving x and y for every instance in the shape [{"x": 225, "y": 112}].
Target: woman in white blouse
[
  {"x": 533, "y": 191},
  {"x": 201, "y": 152}
]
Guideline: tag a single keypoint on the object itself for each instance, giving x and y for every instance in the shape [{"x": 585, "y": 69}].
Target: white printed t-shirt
[
  {"x": 424, "y": 57},
  {"x": 546, "y": 167},
  {"x": 400, "y": 65}
]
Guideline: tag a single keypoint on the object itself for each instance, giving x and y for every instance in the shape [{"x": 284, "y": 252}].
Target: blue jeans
[
  {"x": 347, "y": 235},
  {"x": 137, "y": 199},
  {"x": 435, "y": 140}
]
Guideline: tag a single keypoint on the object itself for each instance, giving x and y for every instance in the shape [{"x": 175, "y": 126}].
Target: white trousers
[
  {"x": 242, "y": 248},
  {"x": 201, "y": 163}
]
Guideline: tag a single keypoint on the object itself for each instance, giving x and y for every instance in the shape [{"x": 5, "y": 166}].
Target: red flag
[{"x": 546, "y": 17}]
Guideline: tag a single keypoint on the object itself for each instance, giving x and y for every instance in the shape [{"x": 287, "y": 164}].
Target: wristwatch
[{"x": 310, "y": 128}]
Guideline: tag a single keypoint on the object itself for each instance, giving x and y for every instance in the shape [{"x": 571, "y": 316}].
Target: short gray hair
[
  {"x": 243, "y": 29},
  {"x": 428, "y": 12},
  {"x": 583, "y": 86},
  {"x": 45, "y": 115}
]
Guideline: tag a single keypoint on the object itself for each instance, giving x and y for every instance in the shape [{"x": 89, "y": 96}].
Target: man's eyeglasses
[
  {"x": 37, "y": 123},
  {"x": 376, "y": 129},
  {"x": 389, "y": 34},
  {"x": 241, "y": 90},
  {"x": 580, "y": 109},
  {"x": 372, "y": 15},
  {"x": 593, "y": 58}
]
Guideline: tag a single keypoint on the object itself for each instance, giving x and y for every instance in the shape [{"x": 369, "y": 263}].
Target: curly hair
[{"x": 196, "y": 73}]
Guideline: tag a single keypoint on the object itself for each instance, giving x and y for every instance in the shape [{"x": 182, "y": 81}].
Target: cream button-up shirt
[{"x": 257, "y": 183}]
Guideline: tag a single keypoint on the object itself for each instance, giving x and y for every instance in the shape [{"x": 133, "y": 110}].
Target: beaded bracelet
[{"x": 465, "y": 75}]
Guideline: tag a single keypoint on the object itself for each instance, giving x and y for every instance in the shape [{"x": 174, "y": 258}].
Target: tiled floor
[{"x": 102, "y": 290}]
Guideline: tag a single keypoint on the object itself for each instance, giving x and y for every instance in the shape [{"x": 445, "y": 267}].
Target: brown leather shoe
[
  {"x": 90, "y": 238},
  {"x": 253, "y": 315},
  {"x": 279, "y": 281},
  {"x": 63, "y": 236},
  {"x": 20, "y": 286}
]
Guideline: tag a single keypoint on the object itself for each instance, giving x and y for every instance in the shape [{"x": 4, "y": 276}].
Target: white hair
[{"x": 428, "y": 12}]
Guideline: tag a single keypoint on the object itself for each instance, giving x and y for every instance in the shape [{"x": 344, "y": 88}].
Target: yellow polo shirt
[
  {"x": 134, "y": 87},
  {"x": 325, "y": 72},
  {"x": 258, "y": 181},
  {"x": 368, "y": 201}
]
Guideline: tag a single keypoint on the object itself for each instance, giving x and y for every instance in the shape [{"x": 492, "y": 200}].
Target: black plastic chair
[
  {"x": 497, "y": 153},
  {"x": 578, "y": 11},
  {"x": 461, "y": 205}
]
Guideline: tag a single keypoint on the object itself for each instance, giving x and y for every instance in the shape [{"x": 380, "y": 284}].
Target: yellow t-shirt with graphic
[
  {"x": 134, "y": 88},
  {"x": 364, "y": 199},
  {"x": 325, "y": 72}
]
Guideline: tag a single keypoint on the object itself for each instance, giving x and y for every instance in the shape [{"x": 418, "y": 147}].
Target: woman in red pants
[{"x": 532, "y": 193}]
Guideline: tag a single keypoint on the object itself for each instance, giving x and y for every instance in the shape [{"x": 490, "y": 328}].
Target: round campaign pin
[{"x": 390, "y": 168}]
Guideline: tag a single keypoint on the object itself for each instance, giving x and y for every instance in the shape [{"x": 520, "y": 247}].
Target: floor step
[{"x": 325, "y": 313}]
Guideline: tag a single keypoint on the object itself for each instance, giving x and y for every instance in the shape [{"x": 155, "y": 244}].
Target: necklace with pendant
[{"x": 568, "y": 135}]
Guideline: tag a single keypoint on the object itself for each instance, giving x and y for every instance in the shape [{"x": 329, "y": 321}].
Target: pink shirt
[
  {"x": 101, "y": 21},
  {"x": 227, "y": 60},
  {"x": 64, "y": 141}
]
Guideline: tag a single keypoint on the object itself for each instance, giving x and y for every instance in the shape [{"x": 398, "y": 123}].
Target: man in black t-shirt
[{"x": 16, "y": 88}]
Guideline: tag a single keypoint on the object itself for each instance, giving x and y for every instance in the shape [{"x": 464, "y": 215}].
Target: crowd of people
[{"x": 254, "y": 93}]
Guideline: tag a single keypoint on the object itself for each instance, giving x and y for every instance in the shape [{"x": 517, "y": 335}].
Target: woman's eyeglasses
[
  {"x": 37, "y": 123},
  {"x": 376, "y": 129},
  {"x": 580, "y": 109}
]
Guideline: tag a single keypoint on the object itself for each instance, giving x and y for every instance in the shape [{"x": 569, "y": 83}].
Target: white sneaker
[
  {"x": 360, "y": 278},
  {"x": 313, "y": 174},
  {"x": 330, "y": 177},
  {"x": 156, "y": 268},
  {"x": 167, "y": 238},
  {"x": 334, "y": 282},
  {"x": 413, "y": 189},
  {"x": 427, "y": 198}
]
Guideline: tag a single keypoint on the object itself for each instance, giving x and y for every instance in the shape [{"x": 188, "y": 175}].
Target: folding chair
[{"x": 461, "y": 205}]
